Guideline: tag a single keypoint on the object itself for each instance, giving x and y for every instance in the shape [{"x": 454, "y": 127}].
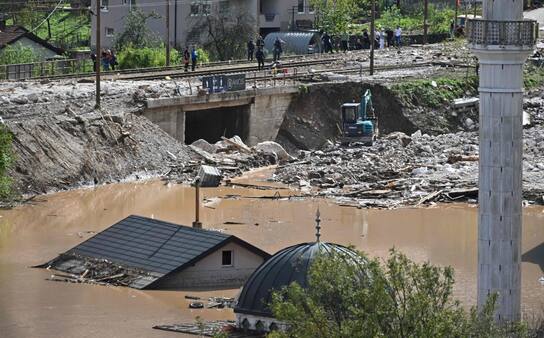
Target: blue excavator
[{"x": 359, "y": 122}]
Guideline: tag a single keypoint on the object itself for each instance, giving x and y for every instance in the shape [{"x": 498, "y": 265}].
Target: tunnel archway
[{"x": 211, "y": 124}]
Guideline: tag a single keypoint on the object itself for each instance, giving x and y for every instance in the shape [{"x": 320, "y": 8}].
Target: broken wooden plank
[
  {"x": 236, "y": 145},
  {"x": 462, "y": 158},
  {"x": 429, "y": 197},
  {"x": 459, "y": 193},
  {"x": 110, "y": 277}
]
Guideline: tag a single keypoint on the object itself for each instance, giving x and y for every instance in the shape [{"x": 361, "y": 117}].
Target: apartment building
[{"x": 268, "y": 16}]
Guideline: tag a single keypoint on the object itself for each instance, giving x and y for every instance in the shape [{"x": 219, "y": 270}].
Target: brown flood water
[{"x": 30, "y": 306}]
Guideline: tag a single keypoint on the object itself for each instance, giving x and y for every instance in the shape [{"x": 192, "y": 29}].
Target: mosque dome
[{"x": 288, "y": 265}]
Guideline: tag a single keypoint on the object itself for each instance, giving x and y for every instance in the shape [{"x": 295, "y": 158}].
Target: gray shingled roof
[{"x": 155, "y": 246}]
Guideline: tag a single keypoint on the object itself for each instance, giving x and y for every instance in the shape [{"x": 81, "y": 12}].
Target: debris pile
[
  {"x": 405, "y": 170},
  {"x": 230, "y": 155},
  {"x": 79, "y": 269},
  {"x": 213, "y": 302}
]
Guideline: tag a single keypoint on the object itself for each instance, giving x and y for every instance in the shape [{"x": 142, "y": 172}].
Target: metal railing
[
  {"x": 45, "y": 68},
  {"x": 502, "y": 33}
]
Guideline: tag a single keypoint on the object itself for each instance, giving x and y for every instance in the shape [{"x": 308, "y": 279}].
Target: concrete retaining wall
[{"x": 267, "y": 109}]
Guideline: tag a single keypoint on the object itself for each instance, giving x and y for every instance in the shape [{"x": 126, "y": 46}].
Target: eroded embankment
[
  {"x": 58, "y": 152},
  {"x": 313, "y": 116}
]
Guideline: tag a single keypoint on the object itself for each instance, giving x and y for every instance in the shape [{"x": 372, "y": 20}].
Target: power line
[{"x": 47, "y": 18}]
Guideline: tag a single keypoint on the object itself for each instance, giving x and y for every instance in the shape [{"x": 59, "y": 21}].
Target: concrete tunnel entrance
[{"x": 211, "y": 124}]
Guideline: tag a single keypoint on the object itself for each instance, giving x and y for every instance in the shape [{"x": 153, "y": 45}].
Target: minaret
[{"x": 502, "y": 40}]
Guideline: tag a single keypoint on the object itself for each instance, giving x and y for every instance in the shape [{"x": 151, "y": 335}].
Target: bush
[
  {"x": 435, "y": 93},
  {"x": 17, "y": 53},
  {"x": 6, "y": 160},
  {"x": 131, "y": 57},
  {"x": 203, "y": 56}
]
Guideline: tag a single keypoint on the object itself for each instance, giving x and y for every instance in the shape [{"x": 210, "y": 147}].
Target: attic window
[{"x": 226, "y": 258}]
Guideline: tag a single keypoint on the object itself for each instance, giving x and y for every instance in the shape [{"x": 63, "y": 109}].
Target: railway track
[{"x": 205, "y": 69}]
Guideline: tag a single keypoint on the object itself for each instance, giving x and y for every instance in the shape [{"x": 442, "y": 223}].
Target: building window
[
  {"x": 311, "y": 9},
  {"x": 224, "y": 7},
  {"x": 109, "y": 31},
  {"x": 301, "y": 6},
  {"x": 104, "y": 3},
  {"x": 129, "y": 2},
  {"x": 227, "y": 258},
  {"x": 195, "y": 8},
  {"x": 206, "y": 8}
]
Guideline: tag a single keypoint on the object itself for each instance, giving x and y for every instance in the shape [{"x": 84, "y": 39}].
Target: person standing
[
  {"x": 277, "y": 49},
  {"x": 250, "y": 50},
  {"x": 186, "y": 58},
  {"x": 366, "y": 40},
  {"x": 344, "y": 42},
  {"x": 389, "y": 33},
  {"x": 260, "y": 42},
  {"x": 194, "y": 58},
  {"x": 260, "y": 58},
  {"x": 398, "y": 36},
  {"x": 95, "y": 63},
  {"x": 382, "y": 39},
  {"x": 105, "y": 61},
  {"x": 113, "y": 60}
]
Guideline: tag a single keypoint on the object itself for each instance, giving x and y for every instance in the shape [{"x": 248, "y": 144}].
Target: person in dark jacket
[
  {"x": 277, "y": 49},
  {"x": 186, "y": 58},
  {"x": 389, "y": 37},
  {"x": 260, "y": 58},
  {"x": 366, "y": 40},
  {"x": 260, "y": 42},
  {"x": 250, "y": 50},
  {"x": 113, "y": 59},
  {"x": 93, "y": 58}
]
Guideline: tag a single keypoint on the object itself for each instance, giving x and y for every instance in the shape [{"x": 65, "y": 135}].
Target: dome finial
[{"x": 317, "y": 226}]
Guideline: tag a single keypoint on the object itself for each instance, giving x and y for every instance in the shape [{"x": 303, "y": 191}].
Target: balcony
[
  {"x": 269, "y": 20},
  {"x": 502, "y": 33}
]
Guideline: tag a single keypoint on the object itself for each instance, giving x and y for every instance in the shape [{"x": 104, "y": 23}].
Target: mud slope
[
  {"x": 313, "y": 117},
  {"x": 56, "y": 152}
]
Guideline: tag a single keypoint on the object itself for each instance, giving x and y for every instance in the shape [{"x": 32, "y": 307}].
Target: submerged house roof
[
  {"x": 12, "y": 34},
  {"x": 156, "y": 247}
]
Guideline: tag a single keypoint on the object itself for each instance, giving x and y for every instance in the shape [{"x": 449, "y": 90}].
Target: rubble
[
  {"x": 400, "y": 170},
  {"x": 79, "y": 269}
]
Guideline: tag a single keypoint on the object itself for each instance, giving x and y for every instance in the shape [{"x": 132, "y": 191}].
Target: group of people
[
  {"x": 382, "y": 38},
  {"x": 108, "y": 60},
  {"x": 191, "y": 57},
  {"x": 259, "y": 54}
]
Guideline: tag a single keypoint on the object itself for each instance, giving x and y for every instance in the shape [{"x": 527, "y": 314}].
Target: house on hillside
[
  {"x": 268, "y": 15},
  {"x": 11, "y": 35},
  {"x": 163, "y": 255}
]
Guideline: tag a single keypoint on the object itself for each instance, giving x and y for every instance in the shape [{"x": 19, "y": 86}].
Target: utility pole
[
  {"x": 372, "y": 36},
  {"x": 98, "y": 53},
  {"x": 502, "y": 40},
  {"x": 167, "y": 33},
  {"x": 425, "y": 17}
]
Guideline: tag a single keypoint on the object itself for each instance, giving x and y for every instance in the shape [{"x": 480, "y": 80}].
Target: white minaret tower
[{"x": 502, "y": 40}]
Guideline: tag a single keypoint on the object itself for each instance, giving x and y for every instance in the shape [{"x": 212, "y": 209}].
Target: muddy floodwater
[{"x": 30, "y": 306}]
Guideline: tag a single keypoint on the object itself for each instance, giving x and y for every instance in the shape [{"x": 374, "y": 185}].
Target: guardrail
[
  {"x": 502, "y": 33},
  {"x": 45, "y": 68}
]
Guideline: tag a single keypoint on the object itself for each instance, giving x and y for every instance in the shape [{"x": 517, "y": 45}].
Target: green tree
[
  {"x": 224, "y": 35},
  {"x": 136, "y": 33},
  {"x": 17, "y": 53},
  {"x": 334, "y": 16},
  {"x": 398, "y": 298}
]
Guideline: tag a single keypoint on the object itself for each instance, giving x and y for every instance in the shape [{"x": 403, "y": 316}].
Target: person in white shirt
[
  {"x": 382, "y": 39},
  {"x": 398, "y": 34}
]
